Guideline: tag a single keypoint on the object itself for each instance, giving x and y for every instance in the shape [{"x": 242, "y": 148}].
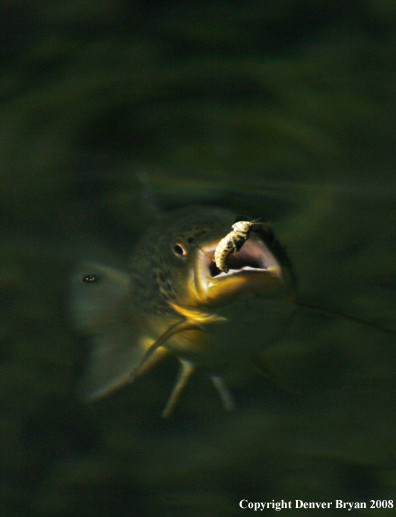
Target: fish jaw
[{"x": 253, "y": 269}]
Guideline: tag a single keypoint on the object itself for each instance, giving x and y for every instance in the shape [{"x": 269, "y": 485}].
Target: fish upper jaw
[{"x": 253, "y": 268}]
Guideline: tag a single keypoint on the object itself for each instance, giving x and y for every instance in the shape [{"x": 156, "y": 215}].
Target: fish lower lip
[
  {"x": 236, "y": 271},
  {"x": 254, "y": 255}
]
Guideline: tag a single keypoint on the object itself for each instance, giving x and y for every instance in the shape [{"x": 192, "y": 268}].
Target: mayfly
[{"x": 232, "y": 243}]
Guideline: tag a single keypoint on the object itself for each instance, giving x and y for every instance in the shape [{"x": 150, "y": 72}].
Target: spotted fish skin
[
  {"x": 154, "y": 255},
  {"x": 172, "y": 299}
]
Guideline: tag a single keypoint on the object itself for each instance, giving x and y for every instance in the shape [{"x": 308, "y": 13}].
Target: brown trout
[{"x": 174, "y": 300}]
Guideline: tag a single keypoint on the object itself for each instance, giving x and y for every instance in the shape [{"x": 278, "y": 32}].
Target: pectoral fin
[
  {"x": 186, "y": 370},
  {"x": 225, "y": 394},
  {"x": 173, "y": 329},
  {"x": 113, "y": 356},
  {"x": 98, "y": 307}
]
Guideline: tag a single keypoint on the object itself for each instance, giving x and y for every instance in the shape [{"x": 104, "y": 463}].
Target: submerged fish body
[{"x": 173, "y": 299}]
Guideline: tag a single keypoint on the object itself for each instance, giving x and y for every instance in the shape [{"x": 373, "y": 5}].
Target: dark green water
[{"x": 283, "y": 110}]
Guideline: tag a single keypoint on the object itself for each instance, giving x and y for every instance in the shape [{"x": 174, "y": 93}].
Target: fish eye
[
  {"x": 89, "y": 279},
  {"x": 179, "y": 250}
]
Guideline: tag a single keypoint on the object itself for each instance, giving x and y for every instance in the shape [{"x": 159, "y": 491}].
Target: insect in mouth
[{"x": 232, "y": 243}]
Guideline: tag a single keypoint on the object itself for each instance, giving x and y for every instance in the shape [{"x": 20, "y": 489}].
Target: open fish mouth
[
  {"x": 253, "y": 255},
  {"x": 254, "y": 263}
]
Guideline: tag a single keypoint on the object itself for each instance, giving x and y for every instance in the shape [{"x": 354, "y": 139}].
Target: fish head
[{"x": 187, "y": 273}]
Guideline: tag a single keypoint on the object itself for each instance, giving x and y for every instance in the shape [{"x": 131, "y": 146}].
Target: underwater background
[{"x": 279, "y": 109}]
